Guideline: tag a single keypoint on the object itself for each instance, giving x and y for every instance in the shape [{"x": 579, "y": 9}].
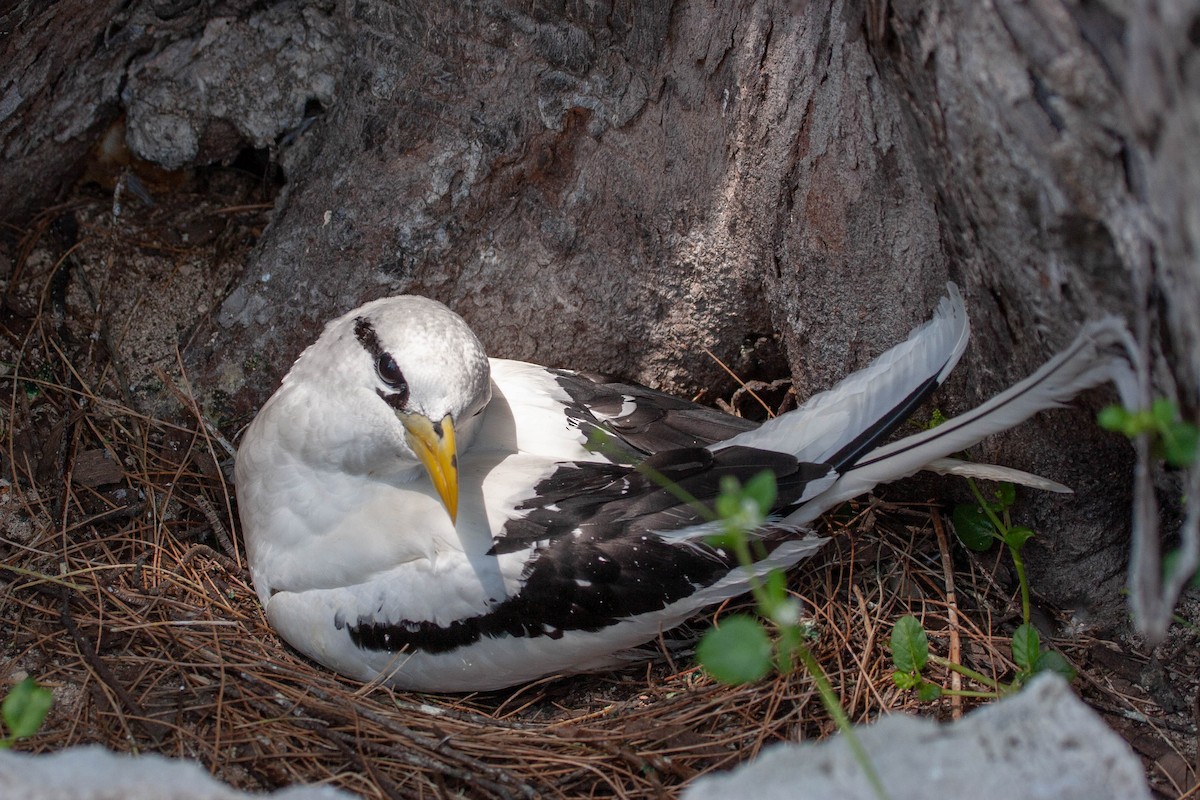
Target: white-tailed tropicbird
[{"x": 417, "y": 512}]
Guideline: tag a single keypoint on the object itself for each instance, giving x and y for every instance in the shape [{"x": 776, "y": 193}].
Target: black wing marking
[
  {"x": 599, "y": 555},
  {"x": 586, "y": 584},
  {"x": 626, "y": 500},
  {"x": 870, "y": 438},
  {"x": 641, "y": 421}
]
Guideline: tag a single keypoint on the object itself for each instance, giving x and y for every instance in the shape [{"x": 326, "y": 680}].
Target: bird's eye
[{"x": 389, "y": 372}]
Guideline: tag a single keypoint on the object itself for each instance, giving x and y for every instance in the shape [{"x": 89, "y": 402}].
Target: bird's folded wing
[
  {"x": 639, "y": 420},
  {"x": 669, "y": 495}
]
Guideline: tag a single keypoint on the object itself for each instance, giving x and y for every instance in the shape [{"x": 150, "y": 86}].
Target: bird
[{"x": 419, "y": 514}]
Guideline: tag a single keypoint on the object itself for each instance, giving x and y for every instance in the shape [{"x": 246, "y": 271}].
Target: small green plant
[
  {"x": 23, "y": 711},
  {"x": 742, "y": 649},
  {"x": 979, "y": 525},
  {"x": 1170, "y": 565},
  {"x": 1172, "y": 439},
  {"x": 910, "y": 656},
  {"x": 1175, "y": 441}
]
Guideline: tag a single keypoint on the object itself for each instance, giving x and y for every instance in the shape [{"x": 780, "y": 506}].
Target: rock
[
  {"x": 93, "y": 773},
  {"x": 1042, "y": 744}
]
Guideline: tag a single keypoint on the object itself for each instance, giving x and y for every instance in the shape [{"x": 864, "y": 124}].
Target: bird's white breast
[{"x": 312, "y": 527}]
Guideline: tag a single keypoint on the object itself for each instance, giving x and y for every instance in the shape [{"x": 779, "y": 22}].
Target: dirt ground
[{"x": 123, "y": 587}]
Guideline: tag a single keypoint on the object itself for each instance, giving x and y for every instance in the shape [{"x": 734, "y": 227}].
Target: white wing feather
[
  {"x": 1094, "y": 357},
  {"x": 830, "y": 420},
  {"x": 995, "y": 472}
]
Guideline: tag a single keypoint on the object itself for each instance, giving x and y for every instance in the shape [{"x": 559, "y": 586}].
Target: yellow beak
[{"x": 434, "y": 445}]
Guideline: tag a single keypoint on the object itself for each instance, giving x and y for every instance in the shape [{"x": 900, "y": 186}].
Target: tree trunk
[{"x": 622, "y": 186}]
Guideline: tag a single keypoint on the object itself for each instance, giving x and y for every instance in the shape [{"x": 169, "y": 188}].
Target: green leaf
[
  {"x": 1177, "y": 438},
  {"x": 1017, "y": 536},
  {"x": 1176, "y": 441},
  {"x": 761, "y": 488},
  {"x": 1179, "y": 443},
  {"x": 906, "y": 680},
  {"x": 1006, "y": 495},
  {"x": 1115, "y": 418},
  {"x": 729, "y": 500},
  {"x": 746, "y": 519},
  {"x": 910, "y": 645},
  {"x": 739, "y": 651},
  {"x": 1164, "y": 412},
  {"x": 1026, "y": 646},
  {"x": 972, "y": 527},
  {"x": 1053, "y": 661},
  {"x": 928, "y": 692},
  {"x": 936, "y": 418},
  {"x": 25, "y": 708},
  {"x": 725, "y": 540}
]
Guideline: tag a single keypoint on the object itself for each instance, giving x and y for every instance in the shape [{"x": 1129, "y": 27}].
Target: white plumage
[{"x": 418, "y": 512}]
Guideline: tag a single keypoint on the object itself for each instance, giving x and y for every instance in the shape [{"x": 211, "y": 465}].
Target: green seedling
[
  {"x": 910, "y": 657},
  {"x": 979, "y": 526},
  {"x": 743, "y": 648},
  {"x": 23, "y": 711},
  {"x": 1172, "y": 439}
]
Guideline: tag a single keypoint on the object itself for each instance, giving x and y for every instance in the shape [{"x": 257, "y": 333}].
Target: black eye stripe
[
  {"x": 385, "y": 366},
  {"x": 364, "y": 331}
]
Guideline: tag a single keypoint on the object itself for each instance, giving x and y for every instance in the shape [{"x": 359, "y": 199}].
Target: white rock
[
  {"x": 1041, "y": 744},
  {"x": 93, "y": 773}
]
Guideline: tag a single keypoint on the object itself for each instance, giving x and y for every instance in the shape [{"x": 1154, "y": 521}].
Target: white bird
[{"x": 418, "y": 513}]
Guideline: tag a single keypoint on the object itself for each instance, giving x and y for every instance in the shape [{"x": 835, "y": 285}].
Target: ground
[{"x": 124, "y": 590}]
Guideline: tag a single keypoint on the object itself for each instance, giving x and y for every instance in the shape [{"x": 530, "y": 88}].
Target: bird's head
[{"x": 411, "y": 382}]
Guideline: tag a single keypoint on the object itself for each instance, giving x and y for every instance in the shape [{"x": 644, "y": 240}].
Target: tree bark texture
[{"x": 621, "y": 186}]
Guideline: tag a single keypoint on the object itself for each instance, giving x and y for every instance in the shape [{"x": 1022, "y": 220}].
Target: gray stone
[
  {"x": 93, "y": 773},
  {"x": 1042, "y": 744},
  {"x": 241, "y": 81}
]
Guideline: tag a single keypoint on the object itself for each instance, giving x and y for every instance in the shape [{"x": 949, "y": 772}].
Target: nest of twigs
[{"x": 123, "y": 589}]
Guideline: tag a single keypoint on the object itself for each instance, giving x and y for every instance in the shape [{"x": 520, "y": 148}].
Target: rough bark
[
  {"x": 198, "y": 81},
  {"x": 618, "y": 186},
  {"x": 1061, "y": 196},
  {"x": 58, "y": 89},
  {"x": 619, "y": 190}
]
